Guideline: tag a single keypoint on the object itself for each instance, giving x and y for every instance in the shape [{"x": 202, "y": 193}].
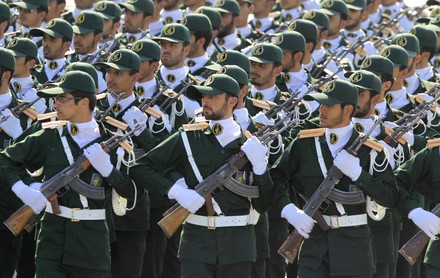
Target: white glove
[
  {"x": 134, "y": 117},
  {"x": 261, "y": 118},
  {"x": 36, "y": 185},
  {"x": 12, "y": 125},
  {"x": 99, "y": 159},
  {"x": 408, "y": 135},
  {"x": 31, "y": 197},
  {"x": 426, "y": 221},
  {"x": 39, "y": 106},
  {"x": 256, "y": 153},
  {"x": 187, "y": 198},
  {"x": 298, "y": 219},
  {"x": 348, "y": 164}
]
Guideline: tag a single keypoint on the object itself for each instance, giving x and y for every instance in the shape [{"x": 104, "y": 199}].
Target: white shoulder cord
[
  {"x": 152, "y": 122},
  {"x": 399, "y": 155},
  {"x": 374, "y": 210},
  {"x": 175, "y": 113},
  {"x": 69, "y": 156},
  {"x": 276, "y": 148},
  {"x": 430, "y": 117},
  {"x": 321, "y": 161},
  {"x": 424, "y": 128},
  {"x": 308, "y": 111}
]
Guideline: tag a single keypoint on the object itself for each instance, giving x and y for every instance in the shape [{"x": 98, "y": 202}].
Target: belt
[
  {"x": 336, "y": 222},
  {"x": 77, "y": 214},
  {"x": 213, "y": 222}
]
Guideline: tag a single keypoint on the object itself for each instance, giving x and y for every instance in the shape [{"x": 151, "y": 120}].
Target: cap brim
[
  {"x": 54, "y": 91},
  {"x": 130, "y": 7},
  {"x": 18, "y": 53},
  {"x": 214, "y": 67},
  {"x": 221, "y": 10},
  {"x": 197, "y": 92},
  {"x": 165, "y": 39},
  {"x": 356, "y": 8},
  {"x": 329, "y": 12},
  {"x": 432, "y": 27},
  {"x": 24, "y": 5},
  {"x": 113, "y": 65},
  {"x": 107, "y": 16},
  {"x": 323, "y": 99},
  {"x": 260, "y": 60},
  {"x": 411, "y": 54},
  {"x": 145, "y": 58},
  {"x": 39, "y": 32},
  {"x": 81, "y": 30}
]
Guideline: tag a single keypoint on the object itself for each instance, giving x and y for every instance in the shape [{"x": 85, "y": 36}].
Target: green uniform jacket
[
  {"x": 221, "y": 246},
  {"x": 349, "y": 249},
  {"x": 82, "y": 244},
  {"x": 421, "y": 174}
]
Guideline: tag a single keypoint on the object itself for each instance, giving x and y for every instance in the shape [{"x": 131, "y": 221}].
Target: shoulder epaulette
[
  {"x": 195, "y": 126},
  {"x": 402, "y": 140},
  {"x": 309, "y": 133},
  {"x": 101, "y": 96},
  {"x": 432, "y": 143},
  {"x": 118, "y": 124},
  {"x": 46, "y": 116},
  {"x": 53, "y": 124},
  {"x": 359, "y": 50},
  {"x": 263, "y": 104},
  {"x": 372, "y": 144}
]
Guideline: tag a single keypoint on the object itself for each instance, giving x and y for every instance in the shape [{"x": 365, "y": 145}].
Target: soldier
[
  {"x": 373, "y": 16},
  {"x": 171, "y": 12},
  {"x": 241, "y": 23},
  {"x": 76, "y": 241},
  {"x": 157, "y": 21},
  {"x": 262, "y": 21},
  {"x": 200, "y": 30},
  {"x": 392, "y": 9},
  {"x": 31, "y": 15},
  {"x": 111, "y": 13},
  {"x": 215, "y": 18},
  {"x": 210, "y": 252},
  {"x": 428, "y": 49},
  {"x": 55, "y": 9},
  {"x": 337, "y": 12},
  {"x": 57, "y": 37},
  {"x": 345, "y": 249},
  {"x": 5, "y": 16},
  {"x": 138, "y": 15},
  {"x": 356, "y": 11},
  {"x": 22, "y": 84}
]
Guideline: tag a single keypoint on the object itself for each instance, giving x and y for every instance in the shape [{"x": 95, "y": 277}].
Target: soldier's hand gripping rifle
[
  {"x": 66, "y": 178},
  {"x": 174, "y": 97},
  {"x": 22, "y": 107},
  {"x": 290, "y": 247},
  {"x": 176, "y": 215},
  {"x": 412, "y": 250}
]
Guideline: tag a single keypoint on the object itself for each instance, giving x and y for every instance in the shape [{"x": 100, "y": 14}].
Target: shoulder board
[
  {"x": 154, "y": 112},
  {"x": 374, "y": 145},
  {"x": 126, "y": 146},
  {"x": 398, "y": 113},
  {"x": 198, "y": 111},
  {"x": 263, "y": 104},
  {"x": 432, "y": 143},
  {"x": 118, "y": 124},
  {"x": 70, "y": 52},
  {"x": 46, "y": 116},
  {"x": 359, "y": 50},
  {"x": 402, "y": 140},
  {"x": 101, "y": 96},
  {"x": 195, "y": 126},
  {"x": 247, "y": 134},
  {"x": 275, "y": 14},
  {"x": 53, "y": 124},
  {"x": 309, "y": 133}
]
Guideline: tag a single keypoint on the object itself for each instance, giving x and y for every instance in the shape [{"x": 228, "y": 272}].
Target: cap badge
[
  {"x": 402, "y": 41},
  {"x": 330, "y": 87},
  {"x": 356, "y": 78},
  {"x": 137, "y": 47},
  {"x": 258, "y": 50},
  {"x": 50, "y": 24},
  {"x": 169, "y": 30},
  {"x": 80, "y": 19},
  {"x": 116, "y": 56},
  {"x": 221, "y": 57},
  {"x": 366, "y": 63}
]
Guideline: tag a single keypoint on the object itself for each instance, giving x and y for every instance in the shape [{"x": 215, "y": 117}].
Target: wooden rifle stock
[{"x": 414, "y": 247}]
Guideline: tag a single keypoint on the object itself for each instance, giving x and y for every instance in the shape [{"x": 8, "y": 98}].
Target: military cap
[
  {"x": 72, "y": 81},
  {"x": 139, "y": 6},
  {"x": 108, "y": 9},
  {"x": 7, "y": 59},
  {"x": 5, "y": 13},
  {"x": 216, "y": 84},
  {"x": 227, "y": 6},
  {"x": 213, "y": 15},
  {"x": 30, "y": 4},
  {"x": 197, "y": 23},
  {"x": 85, "y": 67},
  {"x": 266, "y": 53},
  {"x": 366, "y": 80},
  {"x": 147, "y": 50},
  {"x": 307, "y": 28},
  {"x": 426, "y": 36},
  {"x": 231, "y": 57},
  {"x": 23, "y": 47},
  {"x": 124, "y": 60},
  {"x": 57, "y": 28},
  {"x": 396, "y": 54},
  {"x": 434, "y": 24},
  {"x": 358, "y": 5},
  {"x": 409, "y": 42},
  {"x": 336, "y": 92},
  {"x": 318, "y": 17},
  {"x": 247, "y": 1},
  {"x": 173, "y": 32},
  {"x": 235, "y": 72},
  {"x": 433, "y": 2},
  {"x": 378, "y": 65},
  {"x": 334, "y": 7},
  {"x": 88, "y": 21},
  {"x": 291, "y": 41}
]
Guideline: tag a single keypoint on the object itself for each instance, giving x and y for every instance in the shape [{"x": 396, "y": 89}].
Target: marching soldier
[
  {"x": 157, "y": 22},
  {"x": 262, "y": 20},
  {"x": 337, "y": 12},
  {"x": 111, "y": 13},
  {"x": 210, "y": 252},
  {"x": 215, "y": 18},
  {"x": 241, "y": 23},
  {"x": 428, "y": 48},
  {"x": 346, "y": 247},
  {"x": 171, "y": 12},
  {"x": 138, "y": 15},
  {"x": 5, "y": 15}
]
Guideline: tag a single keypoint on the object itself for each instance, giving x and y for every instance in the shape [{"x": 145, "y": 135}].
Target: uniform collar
[
  {"x": 318, "y": 55},
  {"x": 413, "y": 83},
  {"x": 84, "y": 133},
  {"x": 381, "y": 108},
  {"x": 22, "y": 84},
  {"x": 292, "y": 14},
  {"x": 198, "y": 62},
  {"x": 230, "y": 41},
  {"x": 269, "y": 93},
  {"x": 333, "y": 43},
  {"x": 5, "y": 100},
  {"x": 52, "y": 67},
  {"x": 133, "y": 37},
  {"x": 155, "y": 27},
  {"x": 266, "y": 23},
  {"x": 398, "y": 98},
  {"x": 124, "y": 103},
  {"x": 149, "y": 88},
  {"x": 352, "y": 36},
  {"x": 425, "y": 73},
  {"x": 178, "y": 74},
  {"x": 339, "y": 137},
  {"x": 230, "y": 131},
  {"x": 245, "y": 31},
  {"x": 364, "y": 125},
  {"x": 171, "y": 16}
]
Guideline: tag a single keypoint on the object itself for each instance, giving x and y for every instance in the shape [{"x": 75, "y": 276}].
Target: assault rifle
[
  {"x": 174, "y": 97},
  {"x": 21, "y": 108},
  {"x": 414, "y": 247},
  {"x": 101, "y": 115},
  {"x": 66, "y": 178},
  {"x": 290, "y": 247},
  {"x": 176, "y": 215},
  {"x": 149, "y": 102}
]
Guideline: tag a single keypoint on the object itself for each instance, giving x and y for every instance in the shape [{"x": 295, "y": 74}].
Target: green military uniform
[
  {"x": 140, "y": 6},
  {"x": 217, "y": 247},
  {"x": 346, "y": 251}
]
